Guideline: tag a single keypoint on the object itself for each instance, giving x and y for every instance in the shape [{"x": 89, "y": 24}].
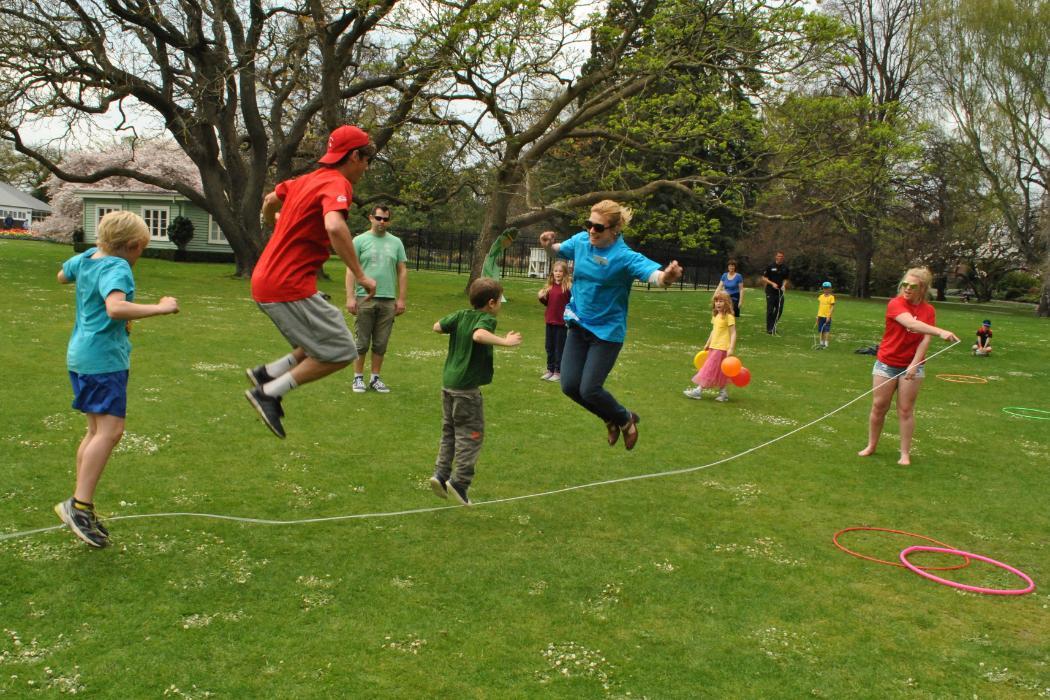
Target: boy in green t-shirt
[{"x": 467, "y": 368}]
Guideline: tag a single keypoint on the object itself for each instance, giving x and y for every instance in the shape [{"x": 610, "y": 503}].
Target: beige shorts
[
  {"x": 315, "y": 326},
  {"x": 375, "y": 320}
]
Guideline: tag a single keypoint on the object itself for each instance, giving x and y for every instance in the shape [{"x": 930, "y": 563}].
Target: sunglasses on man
[
  {"x": 599, "y": 228},
  {"x": 381, "y": 219}
]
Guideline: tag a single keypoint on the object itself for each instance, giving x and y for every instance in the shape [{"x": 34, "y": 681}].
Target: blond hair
[
  {"x": 924, "y": 276},
  {"x": 119, "y": 230},
  {"x": 727, "y": 303},
  {"x": 566, "y": 278},
  {"x": 619, "y": 215}
]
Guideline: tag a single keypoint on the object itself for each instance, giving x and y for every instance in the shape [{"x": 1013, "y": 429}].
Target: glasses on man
[
  {"x": 600, "y": 228},
  {"x": 909, "y": 285},
  {"x": 381, "y": 219}
]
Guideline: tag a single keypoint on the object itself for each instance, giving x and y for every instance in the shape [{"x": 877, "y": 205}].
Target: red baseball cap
[{"x": 342, "y": 141}]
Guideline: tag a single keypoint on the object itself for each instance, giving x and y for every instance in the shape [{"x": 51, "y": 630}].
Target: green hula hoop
[{"x": 1019, "y": 412}]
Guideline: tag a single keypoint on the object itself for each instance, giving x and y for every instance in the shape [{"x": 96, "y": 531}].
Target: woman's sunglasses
[
  {"x": 909, "y": 285},
  {"x": 600, "y": 228}
]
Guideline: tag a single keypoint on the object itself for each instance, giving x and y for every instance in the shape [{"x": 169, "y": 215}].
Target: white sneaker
[
  {"x": 694, "y": 393},
  {"x": 546, "y": 376},
  {"x": 359, "y": 385},
  {"x": 722, "y": 396},
  {"x": 378, "y": 385},
  {"x": 555, "y": 377}
]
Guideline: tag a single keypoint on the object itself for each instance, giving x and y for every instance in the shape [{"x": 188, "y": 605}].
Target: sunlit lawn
[{"x": 719, "y": 582}]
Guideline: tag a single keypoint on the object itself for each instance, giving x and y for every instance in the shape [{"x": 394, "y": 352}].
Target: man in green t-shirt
[
  {"x": 467, "y": 368},
  {"x": 383, "y": 258}
]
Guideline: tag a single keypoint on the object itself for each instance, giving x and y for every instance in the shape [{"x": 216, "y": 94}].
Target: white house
[{"x": 21, "y": 208}]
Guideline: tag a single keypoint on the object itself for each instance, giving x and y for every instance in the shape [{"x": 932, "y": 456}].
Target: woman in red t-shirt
[{"x": 899, "y": 367}]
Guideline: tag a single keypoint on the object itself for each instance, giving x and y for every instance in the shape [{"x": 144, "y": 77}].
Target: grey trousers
[{"x": 462, "y": 432}]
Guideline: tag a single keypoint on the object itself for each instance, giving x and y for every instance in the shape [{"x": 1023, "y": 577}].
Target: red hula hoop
[
  {"x": 969, "y": 555},
  {"x": 835, "y": 539}
]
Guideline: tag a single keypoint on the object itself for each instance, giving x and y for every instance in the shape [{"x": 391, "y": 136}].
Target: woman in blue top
[
  {"x": 732, "y": 283},
  {"x": 604, "y": 268}
]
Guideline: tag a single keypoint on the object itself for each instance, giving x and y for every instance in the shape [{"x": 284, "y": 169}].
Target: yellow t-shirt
[
  {"x": 824, "y": 304},
  {"x": 720, "y": 324}
]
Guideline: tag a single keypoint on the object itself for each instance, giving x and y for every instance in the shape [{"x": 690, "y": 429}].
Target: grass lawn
[{"x": 723, "y": 582}]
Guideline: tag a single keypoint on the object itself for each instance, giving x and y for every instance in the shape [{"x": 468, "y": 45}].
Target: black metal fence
[{"x": 454, "y": 252}]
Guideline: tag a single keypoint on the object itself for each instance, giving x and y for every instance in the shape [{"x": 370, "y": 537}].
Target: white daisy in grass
[
  {"x": 408, "y": 645},
  {"x": 213, "y": 367},
  {"x": 770, "y": 420},
  {"x": 537, "y": 587},
  {"x": 665, "y": 567},
  {"x": 609, "y": 597},
  {"x": 402, "y": 583},
  {"x": 64, "y": 683},
  {"x": 761, "y": 548},
  {"x": 173, "y": 691},
  {"x": 57, "y": 421},
  {"x": 779, "y": 644},
  {"x": 317, "y": 593},
  {"x": 741, "y": 493},
  {"x": 574, "y": 660},
  {"x": 133, "y": 443},
  {"x": 198, "y": 620}
]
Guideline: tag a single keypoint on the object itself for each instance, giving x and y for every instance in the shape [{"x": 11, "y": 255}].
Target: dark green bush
[{"x": 180, "y": 231}]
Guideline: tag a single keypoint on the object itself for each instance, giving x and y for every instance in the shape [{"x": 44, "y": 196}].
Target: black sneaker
[
  {"x": 99, "y": 525},
  {"x": 458, "y": 492},
  {"x": 439, "y": 486},
  {"x": 81, "y": 522},
  {"x": 269, "y": 409},
  {"x": 258, "y": 375}
]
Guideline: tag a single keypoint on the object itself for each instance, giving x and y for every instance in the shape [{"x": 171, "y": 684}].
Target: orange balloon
[
  {"x": 743, "y": 377},
  {"x": 731, "y": 366}
]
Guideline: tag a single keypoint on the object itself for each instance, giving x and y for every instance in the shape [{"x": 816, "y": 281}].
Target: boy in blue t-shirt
[
  {"x": 467, "y": 368},
  {"x": 98, "y": 356}
]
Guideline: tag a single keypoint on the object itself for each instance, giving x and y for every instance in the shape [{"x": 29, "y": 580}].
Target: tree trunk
[
  {"x": 863, "y": 252},
  {"x": 1043, "y": 310},
  {"x": 492, "y": 225}
]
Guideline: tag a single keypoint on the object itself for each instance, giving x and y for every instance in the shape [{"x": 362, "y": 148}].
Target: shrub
[
  {"x": 180, "y": 232},
  {"x": 1019, "y": 286}
]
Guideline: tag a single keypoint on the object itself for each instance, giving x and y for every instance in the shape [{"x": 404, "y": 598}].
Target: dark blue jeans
[
  {"x": 555, "y": 346},
  {"x": 585, "y": 364}
]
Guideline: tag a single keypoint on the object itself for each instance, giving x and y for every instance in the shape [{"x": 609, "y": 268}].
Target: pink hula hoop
[{"x": 974, "y": 589}]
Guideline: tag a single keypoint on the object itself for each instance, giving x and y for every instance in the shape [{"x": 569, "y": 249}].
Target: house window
[
  {"x": 157, "y": 222},
  {"x": 215, "y": 234},
  {"x": 101, "y": 211}
]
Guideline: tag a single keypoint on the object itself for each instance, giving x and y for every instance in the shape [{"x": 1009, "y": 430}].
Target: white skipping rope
[{"x": 478, "y": 504}]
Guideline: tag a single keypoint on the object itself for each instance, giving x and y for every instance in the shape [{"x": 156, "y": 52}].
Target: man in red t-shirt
[{"x": 310, "y": 217}]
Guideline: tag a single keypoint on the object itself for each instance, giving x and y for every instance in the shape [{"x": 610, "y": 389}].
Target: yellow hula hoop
[{"x": 962, "y": 378}]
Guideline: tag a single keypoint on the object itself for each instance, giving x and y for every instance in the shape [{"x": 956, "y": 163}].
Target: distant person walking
[
  {"x": 899, "y": 367},
  {"x": 776, "y": 278},
  {"x": 310, "y": 215},
  {"x": 732, "y": 283},
  {"x": 382, "y": 257},
  {"x": 604, "y": 271}
]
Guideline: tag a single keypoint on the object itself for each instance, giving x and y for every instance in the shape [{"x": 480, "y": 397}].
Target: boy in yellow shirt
[{"x": 825, "y": 307}]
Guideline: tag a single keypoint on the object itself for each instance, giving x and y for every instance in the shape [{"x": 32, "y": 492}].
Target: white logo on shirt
[{"x": 600, "y": 260}]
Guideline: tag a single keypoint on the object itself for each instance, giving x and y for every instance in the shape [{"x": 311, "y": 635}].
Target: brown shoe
[
  {"x": 630, "y": 433},
  {"x": 614, "y": 432}
]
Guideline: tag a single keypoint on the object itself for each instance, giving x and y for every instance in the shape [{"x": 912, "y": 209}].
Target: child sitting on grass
[
  {"x": 467, "y": 368},
  {"x": 98, "y": 356},
  {"x": 983, "y": 346},
  {"x": 720, "y": 345}
]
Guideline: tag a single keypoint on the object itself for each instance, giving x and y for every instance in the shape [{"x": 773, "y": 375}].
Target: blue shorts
[
  {"x": 105, "y": 393},
  {"x": 823, "y": 324},
  {"x": 881, "y": 369}
]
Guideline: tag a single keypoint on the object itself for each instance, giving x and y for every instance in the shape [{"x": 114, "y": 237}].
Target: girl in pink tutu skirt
[{"x": 720, "y": 345}]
